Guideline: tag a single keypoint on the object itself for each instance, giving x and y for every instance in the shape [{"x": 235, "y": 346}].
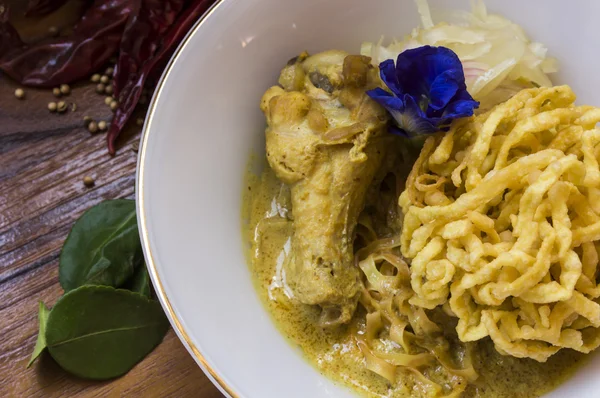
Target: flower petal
[
  {"x": 387, "y": 72},
  {"x": 387, "y": 100},
  {"x": 428, "y": 90},
  {"x": 413, "y": 120},
  {"x": 443, "y": 88},
  {"x": 418, "y": 68},
  {"x": 462, "y": 105}
]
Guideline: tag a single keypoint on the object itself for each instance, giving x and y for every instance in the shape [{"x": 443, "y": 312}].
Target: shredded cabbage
[{"x": 498, "y": 58}]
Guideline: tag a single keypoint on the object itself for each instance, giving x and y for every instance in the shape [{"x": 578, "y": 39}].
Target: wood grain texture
[{"x": 43, "y": 159}]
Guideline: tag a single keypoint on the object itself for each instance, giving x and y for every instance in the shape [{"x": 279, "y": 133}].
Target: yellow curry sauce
[{"x": 268, "y": 227}]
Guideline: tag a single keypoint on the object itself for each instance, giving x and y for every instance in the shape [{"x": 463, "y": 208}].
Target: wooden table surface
[{"x": 43, "y": 159}]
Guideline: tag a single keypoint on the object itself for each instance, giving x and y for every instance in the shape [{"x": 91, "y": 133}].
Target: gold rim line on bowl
[{"x": 158, "y": 286}]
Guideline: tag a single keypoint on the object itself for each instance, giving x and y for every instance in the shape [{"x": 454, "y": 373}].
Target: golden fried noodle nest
[{"x": 502, "y": 222}]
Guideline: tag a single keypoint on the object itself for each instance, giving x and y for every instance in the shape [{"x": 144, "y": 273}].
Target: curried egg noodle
[{"x": 502, "y": 222}]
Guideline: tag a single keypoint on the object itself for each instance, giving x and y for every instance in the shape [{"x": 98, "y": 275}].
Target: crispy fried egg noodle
[{"x": 502, "y": 226}]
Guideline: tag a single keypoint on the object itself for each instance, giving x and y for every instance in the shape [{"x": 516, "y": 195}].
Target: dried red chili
[
  {"x": 140, "y": 54},
  {"x": 142, "y": 36},
  {"x": 54, "y": 61},
  {"x": 9, "y": 38},
  {"x": 146, "y": 32},
  {"x": 43, "y": 7}
]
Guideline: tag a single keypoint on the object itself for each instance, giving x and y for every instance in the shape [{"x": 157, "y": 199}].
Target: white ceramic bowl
[{"x": 205, "y": 122}]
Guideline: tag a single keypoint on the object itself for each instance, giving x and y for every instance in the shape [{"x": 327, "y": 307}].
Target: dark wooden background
[{"x": 43, "y": 159}]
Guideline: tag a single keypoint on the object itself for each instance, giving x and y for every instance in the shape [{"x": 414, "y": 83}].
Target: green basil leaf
[
  {"x": 140, "y": 282},
  {"x": 102, "y": 247},
  {"x": 99, "y": 332},
  {"x": 40, "y": 344}
]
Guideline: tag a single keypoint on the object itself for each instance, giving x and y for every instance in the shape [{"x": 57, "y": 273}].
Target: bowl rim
[
  {"x": 206, "y": 367},
  {"x": 141, "y": 209}
]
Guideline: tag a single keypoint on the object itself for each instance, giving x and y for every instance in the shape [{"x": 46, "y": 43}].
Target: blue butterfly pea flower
[{"x": 427, "y": 90}]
